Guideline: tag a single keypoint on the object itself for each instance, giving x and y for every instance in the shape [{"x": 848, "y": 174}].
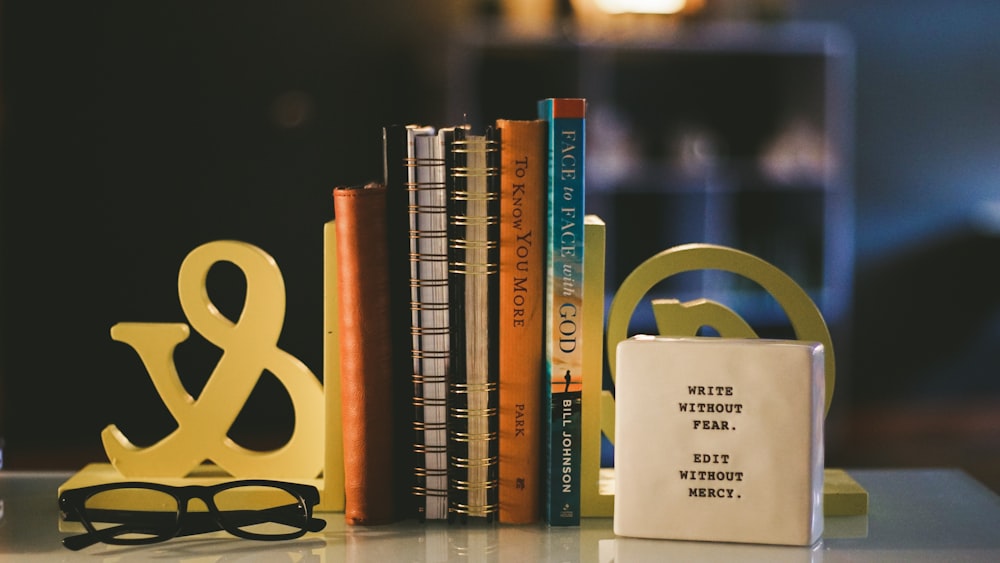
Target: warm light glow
[{"x": 641, "y": 6}]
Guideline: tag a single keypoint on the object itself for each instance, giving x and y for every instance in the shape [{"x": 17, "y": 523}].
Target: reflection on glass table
[{"x": 914, "y": 515}]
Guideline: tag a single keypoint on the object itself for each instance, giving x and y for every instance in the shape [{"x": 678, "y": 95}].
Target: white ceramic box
[{"x": 719, "y": 439}]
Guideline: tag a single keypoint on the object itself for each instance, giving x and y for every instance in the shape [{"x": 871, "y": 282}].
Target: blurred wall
[
  {"x": 927, "y": 313},
  {"x": 133, "y": 132},
  {"x": 928, "y": 129}
]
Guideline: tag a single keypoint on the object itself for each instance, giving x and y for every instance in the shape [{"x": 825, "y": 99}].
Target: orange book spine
[{"x": 523, "y": 218}]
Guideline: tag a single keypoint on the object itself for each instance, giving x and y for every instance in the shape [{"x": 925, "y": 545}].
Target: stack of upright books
[{"x": 460, "y": 279}]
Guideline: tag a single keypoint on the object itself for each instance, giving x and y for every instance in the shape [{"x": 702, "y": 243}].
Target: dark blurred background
[{"x": 133, "y": 132}]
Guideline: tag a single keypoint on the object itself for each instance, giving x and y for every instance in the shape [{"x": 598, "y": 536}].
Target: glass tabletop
[{"x": 914, "y": 515}]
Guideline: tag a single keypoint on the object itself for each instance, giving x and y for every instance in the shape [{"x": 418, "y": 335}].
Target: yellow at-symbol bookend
[
  {"x": 673, "y": 318},
  {"x": 684, "y": 319}
]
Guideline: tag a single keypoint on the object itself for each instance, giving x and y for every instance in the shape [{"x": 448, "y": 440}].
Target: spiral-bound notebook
[
  {"x": 428, "y": 228},
  {"x": 473, "y": 163},
  {"x": 399, "y": 146}
]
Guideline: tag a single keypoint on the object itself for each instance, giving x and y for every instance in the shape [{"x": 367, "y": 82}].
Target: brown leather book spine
[{"x": 366, "y": 354}]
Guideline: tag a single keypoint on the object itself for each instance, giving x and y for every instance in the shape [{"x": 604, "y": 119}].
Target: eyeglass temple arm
[
  {"x": 80, "y": 541},
  {"x": 141, "y": 522},
  {"x": 288, "y": 515},
  {"x": 199, "y": 523},
  {"x": 88, "y": 539}
]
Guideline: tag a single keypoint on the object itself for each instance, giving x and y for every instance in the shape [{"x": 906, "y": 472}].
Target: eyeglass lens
[
  {"x": 261, "y": 510},
  {"x": 149, "y": 514}
]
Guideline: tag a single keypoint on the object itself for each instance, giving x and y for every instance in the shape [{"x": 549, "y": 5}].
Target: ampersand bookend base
[
  {"x": 200, "y": 451},
  {"x": 719, "y": 439}
]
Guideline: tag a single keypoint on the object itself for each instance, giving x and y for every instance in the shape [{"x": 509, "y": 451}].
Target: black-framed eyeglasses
[{"x": 134, "y": 513}]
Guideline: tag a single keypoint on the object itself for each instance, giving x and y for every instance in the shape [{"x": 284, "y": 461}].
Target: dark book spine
[{"x": 396, "y": 171}]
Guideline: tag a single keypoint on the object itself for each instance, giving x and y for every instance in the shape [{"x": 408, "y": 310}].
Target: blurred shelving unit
[{"x": 737, "y": 134}]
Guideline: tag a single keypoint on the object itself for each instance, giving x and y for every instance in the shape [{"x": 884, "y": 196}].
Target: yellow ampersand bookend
[
  {"x": 674, "y": 318},
  {"x": 249, "y": 347}
]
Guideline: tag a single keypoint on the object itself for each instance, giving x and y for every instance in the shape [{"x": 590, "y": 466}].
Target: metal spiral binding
[{"x": 473, "y": 249}]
